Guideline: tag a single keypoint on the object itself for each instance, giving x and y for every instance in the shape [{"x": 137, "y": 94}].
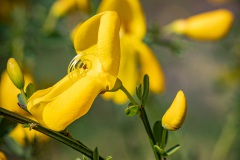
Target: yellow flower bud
[
  {"x": 176, "y": 113},
  {"x": 207, "y": 26},
  {"x": 15, "y": 73},
  {"x": 2, "y": 156}
]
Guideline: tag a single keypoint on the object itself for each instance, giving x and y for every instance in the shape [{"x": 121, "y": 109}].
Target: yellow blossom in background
[
  {"x": 62, "y": 7},
  {"x": 9, "y": 92},
  {"x": 20, "y": 134},
  {"x": 175, "y": 115},
  {"x": 207, "y": 26},
  {"x": 137, "y": 59},
  {"x": 94, "y": 70},
  {"x": 2, "y": 156}
]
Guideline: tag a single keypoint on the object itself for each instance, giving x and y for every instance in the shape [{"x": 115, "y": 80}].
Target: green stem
[
  {"x": 56, "y": 135},
  {"x": 146, "y": 124},
  {"x": 128, "y": 95},
  {"x": 145, "y": 121}
]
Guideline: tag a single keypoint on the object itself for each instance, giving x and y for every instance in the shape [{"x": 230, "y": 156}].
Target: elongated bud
[
  {"x": 176, "y": 113},
  {"x": 15, "y": 73},
  {"x": 207, "y": 26}
]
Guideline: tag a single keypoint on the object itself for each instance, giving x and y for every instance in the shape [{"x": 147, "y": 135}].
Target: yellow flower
[
  {"x": 2, "y": 156},
  {"x": 175, "y": 115},
  {"x": 9, "y": 92},
  {"x": 137, "y": 58},
  {"x": 208, "y": 26},
  {"x": 62, "y": 7},
  {"x": 20, "y": 135},
  {"x": 92, "y": 71}
]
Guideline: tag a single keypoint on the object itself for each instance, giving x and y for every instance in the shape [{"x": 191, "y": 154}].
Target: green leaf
[
  {"x": 109, "y": 158},
  {"x": 30, "y": 90},
  {"x": 158, "y": 133},
  {"x": 132, "y": 110},
  {"x": 95, "y": 154},
  {"x": 139, "y": 92},
  {"x": 21, "y": 101},
  {"x": 145, "y": 89},
  {"x": 168, "y": 152},
  {"x": 173, "y": 149},
  {"x": 6, "y": 126}
]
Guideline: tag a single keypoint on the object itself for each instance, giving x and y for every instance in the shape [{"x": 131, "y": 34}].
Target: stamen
[{"x": 79, "y": 66}]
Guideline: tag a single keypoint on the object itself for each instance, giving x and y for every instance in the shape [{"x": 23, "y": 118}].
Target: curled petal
[{"x": 102, "y": 30}]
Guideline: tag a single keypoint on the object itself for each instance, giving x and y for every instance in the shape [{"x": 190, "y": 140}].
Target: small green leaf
[
  {"x": 30, "y": 90},
  {"x": 21, "y": 101},
  {"x": 95, "y": 154},
  {"x": 132, "y": 110},
  {"x": 139, "y": 92},
  {"x": 173, "y": 149},
  {"x": 109, "y": 158},
  {"x": 145, "y": 89}
]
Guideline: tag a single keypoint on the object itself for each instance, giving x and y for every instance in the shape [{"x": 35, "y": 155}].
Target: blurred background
[{"x": 207, "y": 72}]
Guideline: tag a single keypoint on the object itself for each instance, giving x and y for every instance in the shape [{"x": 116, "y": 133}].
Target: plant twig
[{"x": 75, "y": 144}]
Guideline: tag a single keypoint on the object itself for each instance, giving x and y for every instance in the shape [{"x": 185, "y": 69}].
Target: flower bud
[
  {"x": 176, "y": 113},
  {"x": 15, "y": 73},
  {"x": 207, "y": 26}
]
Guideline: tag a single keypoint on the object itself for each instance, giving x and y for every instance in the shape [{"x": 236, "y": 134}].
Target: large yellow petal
[
  {"x": 128, "y": 72},
  {"x": 66, "y": 101},
  {"x": 149, "y": 65},
  {"x": 103, "y": 30},
  {"x": 131, "y": 14}
]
